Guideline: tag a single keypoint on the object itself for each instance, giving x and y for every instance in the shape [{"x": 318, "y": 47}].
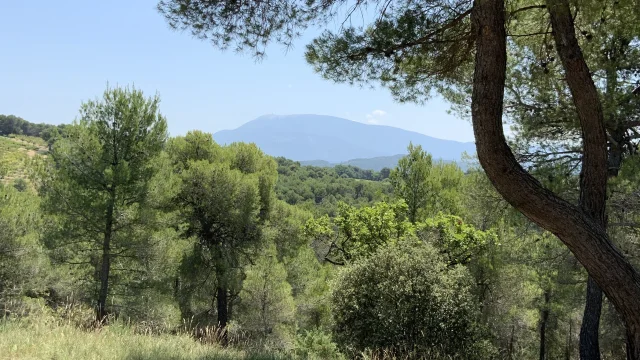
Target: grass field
[{"x": 46, "y": 340}]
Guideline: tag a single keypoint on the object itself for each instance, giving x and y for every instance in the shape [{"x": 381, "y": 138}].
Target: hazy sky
[{"x": 56, "y": 54}]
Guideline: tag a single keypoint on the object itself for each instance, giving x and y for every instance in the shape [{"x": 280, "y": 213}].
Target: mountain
[
  {"x": 335, "y": 140},
  {"x": 375, "y": 163}
]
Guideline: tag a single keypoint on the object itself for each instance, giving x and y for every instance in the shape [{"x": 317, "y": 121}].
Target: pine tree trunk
[
  {"x": 511, "y": 342},
  {"x": 589, "y": 331},
  {"x": 223, "y": 315},
  {"x": 585, "y": 236},
  {"x": 544, "y": 318},
  {"x": 105, "y": 267},
  {"x": 568, "y": 347},
  {"x": 589, "y": 347}
]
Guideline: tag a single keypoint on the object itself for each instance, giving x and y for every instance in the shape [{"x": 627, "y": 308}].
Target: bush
[
  {"x": 316, "y": 345},
  {"x": 267, "y": 308},
  {"x": 405, "y": 301},
  {"x": 20, "y": 184}
]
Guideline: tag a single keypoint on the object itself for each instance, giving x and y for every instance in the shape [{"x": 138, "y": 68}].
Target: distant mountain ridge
[
  {"x": 308, "y": 138},
  {"x": 375, "y": 164}
]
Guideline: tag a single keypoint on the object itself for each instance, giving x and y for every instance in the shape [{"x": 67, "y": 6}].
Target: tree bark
[
  {"x": 105, "y": 267},
  {"x": 568, "y": 347},
  {"x": 223, "y": 315},
  {"x": 589, "y": 331},
  {"x": 585, "y": 237},
  {"x": 544, "y": 318},
  {"x": 511, "y": 342}
]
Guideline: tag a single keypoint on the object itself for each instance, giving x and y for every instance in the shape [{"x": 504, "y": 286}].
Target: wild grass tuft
[{"x": 44, "y": 335}]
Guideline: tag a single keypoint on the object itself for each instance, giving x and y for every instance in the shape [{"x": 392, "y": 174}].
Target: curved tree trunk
[{"x": 585, "y": 236}]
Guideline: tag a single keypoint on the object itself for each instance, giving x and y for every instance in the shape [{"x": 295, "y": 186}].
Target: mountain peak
[{"x": 305, "y": 137}]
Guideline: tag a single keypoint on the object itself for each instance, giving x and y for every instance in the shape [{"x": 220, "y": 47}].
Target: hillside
[
  {"x": 335, "y": 140},
  {"x": 375, "y": 163},
  {"x": 15, "y": 153}
]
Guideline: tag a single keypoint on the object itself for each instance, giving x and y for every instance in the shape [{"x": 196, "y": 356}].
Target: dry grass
[{"x": 45, "y": 336}]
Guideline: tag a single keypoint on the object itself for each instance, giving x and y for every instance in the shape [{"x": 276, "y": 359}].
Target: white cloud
[{"x": 375, "y": 117}]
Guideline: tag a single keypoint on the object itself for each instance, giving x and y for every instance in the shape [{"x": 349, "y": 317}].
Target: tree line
[{"x": 14, "y": 125}]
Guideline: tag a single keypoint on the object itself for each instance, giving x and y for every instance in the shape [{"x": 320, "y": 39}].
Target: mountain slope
[
  {"x": 375, "y": 163},
  {"x": 333, "y": 139}
]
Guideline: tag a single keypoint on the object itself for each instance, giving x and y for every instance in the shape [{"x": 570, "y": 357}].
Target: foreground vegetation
[{"x": 45, "y": 336}]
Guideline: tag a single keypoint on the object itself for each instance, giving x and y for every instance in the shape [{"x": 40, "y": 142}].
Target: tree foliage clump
[
  {"x": 14, "y": 125},
  {"x": 405, "y": 299},
  {"x": 223, "y": 196},
  {"x": 267, "y": 308},
  {"x": 319, "y": 189},
  {"x": 357, "y": 232},
  {"x": 96, "y": 185},
  {"x": 427, "y": 187},
  {"x": 23, "y": 262}
]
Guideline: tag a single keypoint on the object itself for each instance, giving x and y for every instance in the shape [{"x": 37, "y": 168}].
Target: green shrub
[
  {"x": 405, "y": 301},
  {"x": 267, "y": 309},
  {"x": 316, "y": 345},
  {"x": 20, "y": 184}
]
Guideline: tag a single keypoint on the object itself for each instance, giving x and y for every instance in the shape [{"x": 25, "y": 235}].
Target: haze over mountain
[{"x": 335, "y": 140}]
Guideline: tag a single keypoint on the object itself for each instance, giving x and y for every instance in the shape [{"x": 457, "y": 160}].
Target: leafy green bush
[
  {"x": 316, "y": 344},
  {"x": 267, "y": 308},
  {"x": 404, "y": 299},
  {"x": 20, "y": 184}
]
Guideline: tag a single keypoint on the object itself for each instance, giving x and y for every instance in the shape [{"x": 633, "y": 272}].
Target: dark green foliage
[
  {"x": 96, "y": 187},
  {"x": 427, "y": 258},
  {"x": 354, "y": 172},
  {"x": 20, "y": 184},
  {"x": 427, "y": 188},
  {"x": 267, "y": 309},
  {"x": 319, "y": 188},
  {"x": 241, "y": 24},
  {"x": 316, "y": 345},
  {"x": 23, "y": 263},
  {"x": 406, "y": 48},
  {"x": 223, "y": 196},
  {"x": 10, "y": 124},
  {"x": 406, "y": 300}
]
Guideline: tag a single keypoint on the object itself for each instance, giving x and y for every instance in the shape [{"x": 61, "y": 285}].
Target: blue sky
[{"x": 57, "y": 54}]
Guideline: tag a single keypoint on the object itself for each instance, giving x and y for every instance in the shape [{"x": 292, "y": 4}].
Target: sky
[{"x": 54, "y": 55}]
